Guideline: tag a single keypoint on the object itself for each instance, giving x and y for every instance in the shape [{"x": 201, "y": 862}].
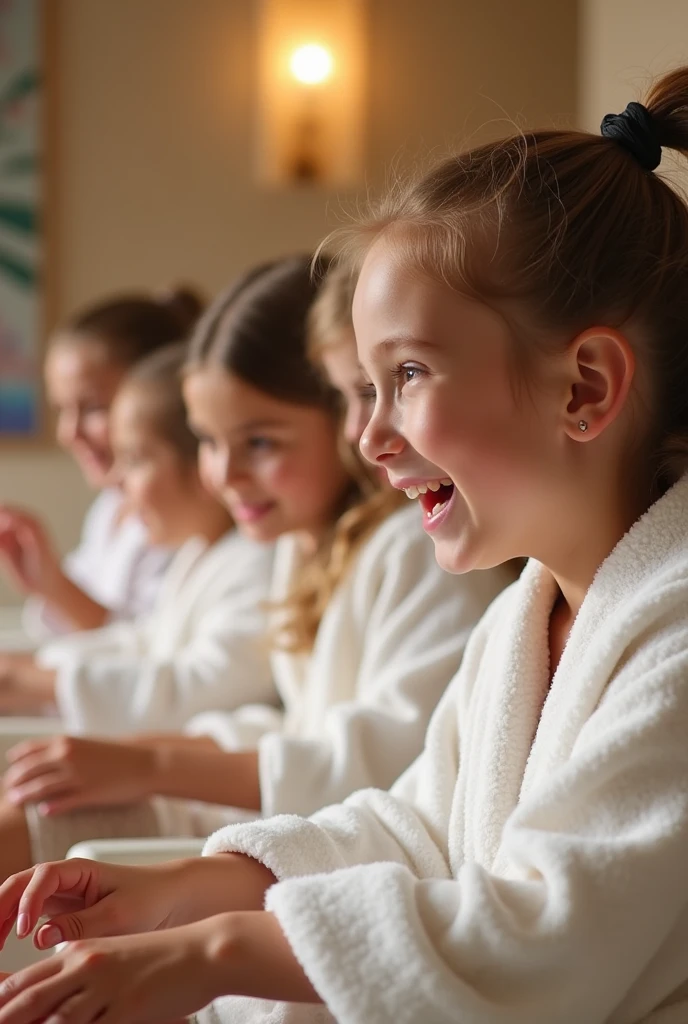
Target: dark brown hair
[
  {"x": 130, "y": 326},
  {"x": 559, "y": 231},
  {"x": 158, "y": 378}
]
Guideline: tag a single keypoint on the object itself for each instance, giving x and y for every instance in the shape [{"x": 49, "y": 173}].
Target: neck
[
  {"x": 599, "y": 527},
  {"x": 209, "y": 521}
]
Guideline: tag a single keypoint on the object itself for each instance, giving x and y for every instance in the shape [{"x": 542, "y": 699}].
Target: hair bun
[{"x": 184, "y": 303}]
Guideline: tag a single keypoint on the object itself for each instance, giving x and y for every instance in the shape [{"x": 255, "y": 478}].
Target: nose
[
  {"x": 221, "y": 468},
  {"x": 67, "y": 428},
  {"x": 380, "y": 440},
  {"x": 357, "y": 419}
]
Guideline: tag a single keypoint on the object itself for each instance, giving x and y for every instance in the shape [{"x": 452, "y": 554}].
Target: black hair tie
[{"x": 636, "y": 131}]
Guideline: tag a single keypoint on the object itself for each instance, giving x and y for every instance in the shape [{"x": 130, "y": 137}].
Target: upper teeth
[{"x": 432, "y": 485}]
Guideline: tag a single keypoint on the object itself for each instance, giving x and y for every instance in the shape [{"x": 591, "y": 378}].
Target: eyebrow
[
  {"x": 245, "y": 428},
  {"x": 405, "y": 339}
]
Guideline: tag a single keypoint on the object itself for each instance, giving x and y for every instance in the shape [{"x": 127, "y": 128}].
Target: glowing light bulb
[{"x": 311, "y": 64}]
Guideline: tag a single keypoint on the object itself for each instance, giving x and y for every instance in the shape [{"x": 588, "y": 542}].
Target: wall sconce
[{"x": 311, "y": 92}]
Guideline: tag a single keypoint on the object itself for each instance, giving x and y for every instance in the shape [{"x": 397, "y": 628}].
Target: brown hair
[
  {"x": 257, "y": 331},
  {"x": 330, "y": 319},
  {"x": 158, "y": 378},
  {"x": 567, "y": 229},
  {"x": 130, "y": 326}
]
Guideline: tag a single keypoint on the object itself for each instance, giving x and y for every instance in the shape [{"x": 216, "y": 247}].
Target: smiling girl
[
  {"x": 357, "y": 660},
  {"x": 115, "y": 572},
  {"x": 522, "y": 313}
]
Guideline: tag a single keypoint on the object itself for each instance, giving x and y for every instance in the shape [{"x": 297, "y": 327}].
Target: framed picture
[{"x": 22, "y": 252}]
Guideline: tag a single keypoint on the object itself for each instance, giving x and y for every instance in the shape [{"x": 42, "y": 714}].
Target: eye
[
  {"x": 404, "y": 373},
  {"x": 260, "y": 444},
  {"x": 366, "y": 391},
  {"x": 205, "y": 441}
]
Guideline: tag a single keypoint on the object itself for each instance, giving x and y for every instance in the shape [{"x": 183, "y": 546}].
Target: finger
[
  {"x": 106, "y": 918},
  {"x": 51, "y": 786},
  {"x": 69, "y": 877},
  {"x": 11, "y": 892},
  {"x": 33, "y": 1004},
  {"x": 82, "y": 1008},
  {"x": 27, "y": 748},
  {"x": 21, "y": 981},
  {"x": 31, "y": 768}
]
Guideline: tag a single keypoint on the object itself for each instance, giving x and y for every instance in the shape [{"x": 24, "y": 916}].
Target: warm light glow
[{"x": 311, "y": 64}]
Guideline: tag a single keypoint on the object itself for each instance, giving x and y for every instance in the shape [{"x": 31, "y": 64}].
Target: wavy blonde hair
[{"x": 367, "y": 505}]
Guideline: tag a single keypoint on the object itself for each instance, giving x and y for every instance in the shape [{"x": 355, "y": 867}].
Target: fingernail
[
  {"x": 22, "y": 926},
  {"x": 50, "y": 936}
]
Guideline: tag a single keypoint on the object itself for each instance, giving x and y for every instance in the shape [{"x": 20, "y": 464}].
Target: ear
[{"x": 602, "y": 366}]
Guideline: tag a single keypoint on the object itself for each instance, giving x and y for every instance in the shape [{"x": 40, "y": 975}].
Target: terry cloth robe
[
  {"x": 357, "y": 708},
  {"x": 114, "y": 564},
  {"x": 203, "y": 647},
  {"x": 532, "y": 866}
]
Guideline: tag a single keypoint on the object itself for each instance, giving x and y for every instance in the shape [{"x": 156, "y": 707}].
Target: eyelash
[{"x": 399, "y": 373}]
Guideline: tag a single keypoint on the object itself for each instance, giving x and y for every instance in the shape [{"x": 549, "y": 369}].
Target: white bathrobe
[
  {"x": 114, "y": 564},
  {"x": 532, "y": 866},
  {"x": 357, "y": 708},
  {"x": 203, "y": 647}
]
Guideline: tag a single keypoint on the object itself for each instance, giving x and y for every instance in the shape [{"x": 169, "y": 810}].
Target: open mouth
[{"x": 434, "y": 495}]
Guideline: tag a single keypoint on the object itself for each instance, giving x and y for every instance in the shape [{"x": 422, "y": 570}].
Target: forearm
[
  {"x": 197, "y": 772},
  {"x": 250, "y": 956},
  {"x": 227, "y": 883},
  {"x": 74, "y": 603}
]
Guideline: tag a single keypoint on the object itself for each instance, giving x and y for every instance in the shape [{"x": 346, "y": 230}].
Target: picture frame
[{"x": 26, "y": 42}]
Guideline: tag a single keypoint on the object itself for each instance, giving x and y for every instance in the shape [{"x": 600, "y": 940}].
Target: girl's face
[
  {"x": 162, "y": 489},
  {"x": 81, "y": 384},
  {"x": 446, "y": 396},
  {"x": 274, "y": 465},
  {"x": 340, "y": 360}
]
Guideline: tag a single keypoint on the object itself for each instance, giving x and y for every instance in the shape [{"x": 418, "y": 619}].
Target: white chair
[{"x": 137, "y": 851}]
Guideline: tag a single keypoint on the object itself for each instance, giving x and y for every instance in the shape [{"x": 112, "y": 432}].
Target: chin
[{"x": 457, "y": 558}]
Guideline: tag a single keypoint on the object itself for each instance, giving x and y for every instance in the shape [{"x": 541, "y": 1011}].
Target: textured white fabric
[
  {"x": 203, "y": 647},
  {"x": 532, "y": 866},
  {"x": 114, "y": 564},
  {"x": 356, "y": 710}
]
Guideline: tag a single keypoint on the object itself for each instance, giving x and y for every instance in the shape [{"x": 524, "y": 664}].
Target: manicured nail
[
  {"x": 50, "y": 936},
  {"x": 22, "y": 926}
]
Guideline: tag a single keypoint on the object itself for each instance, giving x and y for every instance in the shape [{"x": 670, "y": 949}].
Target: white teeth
[
  {"x": 437, "y": 508},
  {"x": 447, "y": 482},
  {"x": 434, "y": 485},
  {"x": 411, "y": 492}
]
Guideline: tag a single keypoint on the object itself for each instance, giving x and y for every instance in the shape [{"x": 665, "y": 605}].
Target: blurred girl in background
[{"x": 115, "y": 571}]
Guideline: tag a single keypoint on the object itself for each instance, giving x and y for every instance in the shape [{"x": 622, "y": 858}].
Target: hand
[
  {"x": 89, "y": 899},
  {"x": 145, "y": 978},
  {"x": 28, "y": 552},
  {"x": 25, "y": 686},
  {"x": 64, "y": 773}
]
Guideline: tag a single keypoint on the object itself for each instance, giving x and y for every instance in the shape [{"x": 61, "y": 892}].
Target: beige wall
[
  {"x": 155, "y": 178},
  {"x": 623, "y": 44}
]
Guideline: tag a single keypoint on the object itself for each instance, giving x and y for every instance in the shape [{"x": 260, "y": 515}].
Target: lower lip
[
  {"x": 250, "y": 513},
  {"x": 432, "y": 523}
]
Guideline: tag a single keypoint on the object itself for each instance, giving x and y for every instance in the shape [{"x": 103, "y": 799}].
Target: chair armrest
[
  {"x": 137, "y": 851},
  {"x": 14, "y": 730}
]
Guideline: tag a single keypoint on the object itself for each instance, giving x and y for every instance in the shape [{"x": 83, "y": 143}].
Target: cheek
[
  {"x": 211, "y": 468},
  {"x": 96, "y": 430}
]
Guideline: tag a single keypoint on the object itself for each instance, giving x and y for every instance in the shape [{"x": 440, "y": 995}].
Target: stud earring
[{"x": 582, "y": 426}]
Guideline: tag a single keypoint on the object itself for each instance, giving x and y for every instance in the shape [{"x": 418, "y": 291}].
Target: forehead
[
  {"x": 397, "y": 303},
  {"x": 70, "y": 363},
  {"x": 215, "y": 396}
]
